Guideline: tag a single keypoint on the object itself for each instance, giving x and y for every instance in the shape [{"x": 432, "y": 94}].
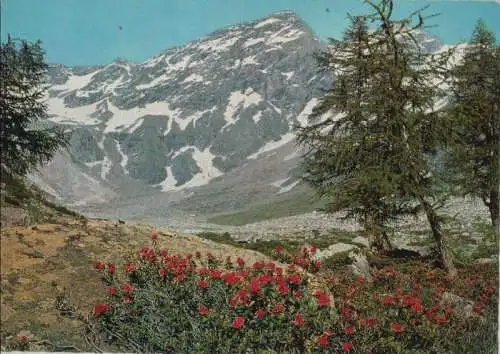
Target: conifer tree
[
  {"x": 476, "y": 108},
  {"x": 373, "y": 158},
  {"x": 22, "y": 78}
]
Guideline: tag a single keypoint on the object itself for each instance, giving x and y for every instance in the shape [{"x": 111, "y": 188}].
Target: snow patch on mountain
[
  {"x": 218, "y": 44},
  {"x": 105, "y": 168},
  {"x": 288, "y": 74},
  {"x": 279, "y": 182},
  {"x": 155, "y": 82},
  {"x": 272, "y": 145},
  {"x": 122, "y": 119},
  {"x": 238, "y": 99},
  {"x": 194, "y": 78},
  {"x": 124, "y": 157},
  {"x": 288, "y": 37},
  {"x": 252, "y": 41},
  {"x": 60, "y": 113},
  {"x": 266, "y": 22},
  {"x": 207, "y": 171},
  {"x": 288, "y": 188},
  {"x": 250, "y": 61},
  {"x": 75, "y": 82}
]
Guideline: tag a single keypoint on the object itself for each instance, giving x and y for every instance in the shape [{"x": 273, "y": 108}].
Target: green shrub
[{"x": 175, "y": 303}]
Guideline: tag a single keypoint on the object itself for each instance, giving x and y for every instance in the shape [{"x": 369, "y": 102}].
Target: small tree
[
  {"x": 375, "y": 160},
  {"x": 476, "y": 108},
  {"x": 22, "y": 76}
]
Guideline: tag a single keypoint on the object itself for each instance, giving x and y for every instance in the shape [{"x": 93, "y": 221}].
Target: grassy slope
[
  {"x": 288, "y": 205},
  {"x": 19, "y": 198}
]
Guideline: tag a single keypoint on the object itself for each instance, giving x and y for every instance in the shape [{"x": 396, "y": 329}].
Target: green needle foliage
[
  {"x": 476, "y": 108},
  {"x": 373, "y": 158},
  {"x": 22, "y": 76}
]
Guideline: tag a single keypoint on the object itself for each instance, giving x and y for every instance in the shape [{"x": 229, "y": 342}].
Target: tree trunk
[
  {"x": 443, "y": 248},
  {"x": 377, "y": 236},
  {"x": 494, "y": 208}
]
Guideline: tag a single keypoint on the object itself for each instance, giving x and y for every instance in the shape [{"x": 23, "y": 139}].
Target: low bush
[{"x": 195, "y": 303}]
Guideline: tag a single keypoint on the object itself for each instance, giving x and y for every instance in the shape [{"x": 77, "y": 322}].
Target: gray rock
[
  {"x": 486, "y": 260},
  {"x": 333, "y": 250},
  {"x": 360, "y": 265},
  {"x": 462, "y": 307}
]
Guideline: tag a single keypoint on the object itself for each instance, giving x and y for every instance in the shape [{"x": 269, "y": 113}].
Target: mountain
[{"x": 207, "y": 126}]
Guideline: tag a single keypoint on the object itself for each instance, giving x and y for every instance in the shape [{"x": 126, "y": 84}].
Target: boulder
[
  {"x": 360, "y": 265},
  {"x": 462, "y": 306},
  {"x": 361, "y": 241},
  {"x": 333, "y": 250},
  {"x": 486, "y": 260}
]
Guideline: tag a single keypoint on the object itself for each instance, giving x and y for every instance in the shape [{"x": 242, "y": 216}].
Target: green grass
[
  {"x": 290, "y": 245},
  {"x": 300, "y": 204},
  {"x": 264, "y": 247}
]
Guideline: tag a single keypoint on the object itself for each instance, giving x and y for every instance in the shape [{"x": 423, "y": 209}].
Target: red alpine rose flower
[
  {"x": 387, "y": 300},
  {"x": 111, "y": 291},
  {"x": 264, "y": 278},
  {"x": 322, "y": 298},
  {"x": 397, "y": 328},
  {"x": 323, "y": 340},
  {"x": 127, "y": 288},
  {"x": 111, "y": 268},
  {"x": 283, "y": 289},
  {"x": 215, "y": 274},
  {"x": 254, "y": 286},
  {"x": 203, "y": 310},
  {"x": 298, "y": 321},
  {"x": 203, "y": 284},
  {"x": 163, "y": 272},
  {"x": 260, "y": 313},
  {"x": 238, "y": 322},
  {"x": 100, "y": 309},
  {"x": 129, "y": 268},
  {"x": 347, "y": 347},
  {"x": 240, "y": 262},
  {"x": 164, "y": 253},
  {"x": 278, "y": 249},
  {"x": 279, "y": 308},
  {"x": 349, "y": 330},
  {"x": 270, "y": 265},
  {"x": 257, "y": 265},
  {"x": 99, "y": 266},
  {"x": 294, "y": 278}
]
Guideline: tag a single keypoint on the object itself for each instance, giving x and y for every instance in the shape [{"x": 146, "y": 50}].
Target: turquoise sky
[{"x": 87, "y": 32}]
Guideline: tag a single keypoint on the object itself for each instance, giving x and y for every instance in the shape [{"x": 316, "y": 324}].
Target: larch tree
[
  {"x": 476, "y": 109},
  {"x": 373, "y": 158},
  {"x": 22, "y": 88}
]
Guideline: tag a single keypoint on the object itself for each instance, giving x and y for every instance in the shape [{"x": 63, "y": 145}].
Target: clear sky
[{"x": 89, "y": 32}]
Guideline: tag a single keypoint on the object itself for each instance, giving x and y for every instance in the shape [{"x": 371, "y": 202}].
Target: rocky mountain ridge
[{"x": 211, "y": 121}]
